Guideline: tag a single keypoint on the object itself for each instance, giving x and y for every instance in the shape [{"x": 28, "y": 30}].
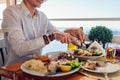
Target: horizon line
[{"x": 85, "y": 19}]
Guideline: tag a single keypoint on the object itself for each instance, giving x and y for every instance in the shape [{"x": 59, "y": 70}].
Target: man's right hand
[{"x": 64, "y": 37}]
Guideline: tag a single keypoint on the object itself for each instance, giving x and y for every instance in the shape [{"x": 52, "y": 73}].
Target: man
[{"x": 27, "y": 31}]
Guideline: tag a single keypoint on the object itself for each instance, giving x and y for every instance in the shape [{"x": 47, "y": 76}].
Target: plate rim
[
  {"x": 108, "y": 63},
  {"x": 42, "y": 74},
  {"x": 86, "y": 57},
  {"x": 36, "y": 73}
]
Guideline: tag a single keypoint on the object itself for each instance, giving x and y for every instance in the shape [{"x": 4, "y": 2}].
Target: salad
[{"x": 90, "y": 52}]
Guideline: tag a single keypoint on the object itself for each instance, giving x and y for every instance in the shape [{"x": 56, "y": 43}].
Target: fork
[{"x": 106, "y": 76}]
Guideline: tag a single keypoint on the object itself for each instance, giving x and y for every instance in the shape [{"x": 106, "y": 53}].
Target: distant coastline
[{"x": 86, "y": 30}]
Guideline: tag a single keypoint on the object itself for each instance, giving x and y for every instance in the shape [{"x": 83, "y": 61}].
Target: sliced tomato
[{"x": 83, "y": 54}]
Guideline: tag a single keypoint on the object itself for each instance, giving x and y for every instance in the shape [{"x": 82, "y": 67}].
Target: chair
[
  {"x": 2, "y": 55},
  {"x": 2, "y": 49}
]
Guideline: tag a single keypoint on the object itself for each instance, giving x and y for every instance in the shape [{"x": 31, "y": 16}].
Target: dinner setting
[
  {"x": 63, "y": 65},
  {"x": 55, "y": 64},
  {"x": 47, "y": 40},
  {"x": 87, "y": 62},
  {"x": 92, "y": 62}
]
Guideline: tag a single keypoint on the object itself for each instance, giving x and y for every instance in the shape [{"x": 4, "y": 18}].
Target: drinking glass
[{"x": 110, "y": 54}]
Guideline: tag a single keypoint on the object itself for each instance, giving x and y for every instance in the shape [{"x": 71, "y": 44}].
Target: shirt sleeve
[
  {"x": 15, "y": 36},
  {"x": 50, "y": 28}
]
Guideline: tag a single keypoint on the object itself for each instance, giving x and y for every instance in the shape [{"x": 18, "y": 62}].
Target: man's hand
[
  {"x": 64, "y": 37},
  {"x": 76, "y": 32}
]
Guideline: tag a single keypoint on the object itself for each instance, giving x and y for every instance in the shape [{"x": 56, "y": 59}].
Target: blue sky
[{"x": 81, "y": 8}]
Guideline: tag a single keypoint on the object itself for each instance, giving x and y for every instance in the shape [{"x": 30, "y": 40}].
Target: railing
[{"x": 85, "y": 19}]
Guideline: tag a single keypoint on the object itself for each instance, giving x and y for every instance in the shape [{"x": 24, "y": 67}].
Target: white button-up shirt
[{"x": 23, "y": 33}]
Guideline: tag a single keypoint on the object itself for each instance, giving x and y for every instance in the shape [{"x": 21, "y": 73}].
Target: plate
[
  {"x": 88, "y": 57},
  {"x": 36, "y": 73},
  {"x": 85, "y": 57},
  {"x": 108, "y": 68}
]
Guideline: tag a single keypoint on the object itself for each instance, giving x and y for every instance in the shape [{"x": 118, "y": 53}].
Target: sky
[{"x": 81, "y": 9}]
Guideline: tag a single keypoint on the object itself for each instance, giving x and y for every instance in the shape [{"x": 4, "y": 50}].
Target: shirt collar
[{"x": 25, "y": 10}]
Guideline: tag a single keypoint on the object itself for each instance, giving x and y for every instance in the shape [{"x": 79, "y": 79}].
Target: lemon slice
[
  {"x": 65, "y": 68},
  {"x": 71, "y": 46}
]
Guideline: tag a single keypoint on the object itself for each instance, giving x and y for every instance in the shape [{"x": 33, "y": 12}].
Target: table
[{"x": 14, "y": 72}]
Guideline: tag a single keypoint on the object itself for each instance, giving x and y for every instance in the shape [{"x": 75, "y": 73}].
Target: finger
[
  {"x": 79, "y": 35},
  {"x": 65, "y": 40},
  {"x": 83, "y": 36},
  {"x": 62, "y": 40},
  {"x": 73, "y": 40},
  {"x": 81, "y": 28},
  {"x": 68, "y": 40},
  {"x": 82, "y": 33},
  {"x": 71, "y": 32}
]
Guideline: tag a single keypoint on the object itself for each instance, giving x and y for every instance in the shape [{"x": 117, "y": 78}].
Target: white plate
[
  {"x": 36, "y": 73},
  {"x": 108, "y": 68},
  {"x": 86, "y": 57}
]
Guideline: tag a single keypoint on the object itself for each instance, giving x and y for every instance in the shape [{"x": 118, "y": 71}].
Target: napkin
[{"x": 97, "y": 46}]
